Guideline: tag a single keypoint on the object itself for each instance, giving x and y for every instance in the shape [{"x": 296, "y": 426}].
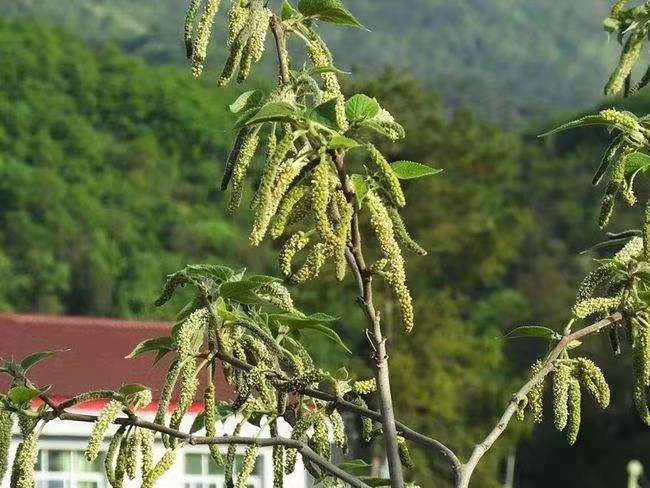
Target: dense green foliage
[
  {"x": 509, "y": 58},
  {"x": 108, "y": 181}
]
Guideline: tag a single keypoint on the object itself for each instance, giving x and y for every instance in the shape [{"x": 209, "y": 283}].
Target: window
[
  {"x": 202, "y": 472},
  {"x": 58, "y": 468}
]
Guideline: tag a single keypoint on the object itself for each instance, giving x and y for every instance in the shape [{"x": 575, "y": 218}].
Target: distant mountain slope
[{"x": 510, "y": 58}]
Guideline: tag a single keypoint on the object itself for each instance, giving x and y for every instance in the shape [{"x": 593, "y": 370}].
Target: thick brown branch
[{"x": 480, "y": 449}]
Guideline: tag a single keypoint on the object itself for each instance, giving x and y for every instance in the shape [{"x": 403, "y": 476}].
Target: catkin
[
  {"x": 6, "y": 423},
  {"x": 22, "y": 475},
  {"x": 120, "y": 465},
  {"x": 313, "y": 263},
  {"x": 320, "y": 198},
  {"x": 293, "y": 245},
  {"x": 320, "y": 441},
  {"x": 573, "y": 422},
  {"x": 146, "y": 451},
  {"x": 105, "y": 419},
  {"x": 561, "y": 382},
  {"x": 396, "y": 274},
  {"x": 646, "y": 232},
  {"x": 402, "y": 234},
  {"x": 230, "y": 456},
  {"x": 189, "y": 385},
  {"x": 166, "y": 462},
  {"x": 536, "y": 394},
  {"x": 133, "y": 452},
  {"x": 303, "y": 424},
  {"x": 404, "y": 454},
  {"x": 211, "y": 422},
  {"x": 387, "y": 175},
  {"x": 199, "y": 50},
  {"x": 346, "y": 213},
  {"x": 629, "y": 56},
  {"x": 364, "y": 387},
  {"x": 255, "y": 46},
  {"x": 287, "y": 206},
  {"x": 593, "y": 380},
  {"x": 244, "y": 158},
  {"x": 248, "y": 464},
  {"x": 277, "y": 294},
  {"x": 111, "y": 453},
  {"x": 167, "y": 391},
  {"x": 237, "y": 16},
  {"x": 338, "y": 430}
]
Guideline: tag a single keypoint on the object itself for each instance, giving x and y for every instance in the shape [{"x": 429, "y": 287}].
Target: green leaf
[
  {"x": 361, "y": 107},
  {"x": 377, "y": 127},
  {"x": 408, "y": 170},
  {"x": 246, "y": 100},
  {"x": 263, "y": 279},
  {"x": 287, "y": 11},
  {"x": 581, "y": 122},
  {"x": 354, "y": 464},
  {"x": 313, "y": 322},
  {"x": 164, "y": 343},
  {"x": 341, "y": 142},
  {"x": 328, "y": 11},
  {"x": 319, "y": 70},
  {"x": 370, "y": 481},
  {"x": 224, "y": 411},
  {"x": 37, "y": 357},
  {"x": 533, "y": 331},
  {"x": 324, "y": 114},
  {"x": 132, "y": 388},
  {"x": 198, "y": 424},
  {"x": 241, "y": 291},
  {"x": 223, "y": 312},
  {"x": 21, "y": 395},
  {"x": 636, "y": 161},
  {"x": 272, "y": 111},
  {"x": 361, "y": 187}
]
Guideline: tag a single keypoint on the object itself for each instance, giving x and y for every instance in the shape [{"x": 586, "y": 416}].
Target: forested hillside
[
  {"x": 108, "y": 181},
  {"x": 508, "y": 58}
]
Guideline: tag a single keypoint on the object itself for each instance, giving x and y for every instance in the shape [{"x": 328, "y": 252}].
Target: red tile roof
[{"x": 95, "y": 356}]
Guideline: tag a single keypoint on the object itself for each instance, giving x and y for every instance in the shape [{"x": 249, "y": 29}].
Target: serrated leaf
[
  {"x": 636, "y": 161},
  {"x": 324, "y": 114},
  {"x": 581, "y": 122},
  {"x": 287, "y": 11},
  {"x": 32, "y": 359},
  {"x": 272, "y": 111},
  {"x": 341, "y": 142},
  {"x": 408, "y": 170},
  {"x": 533, "y": 331},
  {"x": 241, "y": 291},
  {"x": 328, "y": 11},
  {"x": 361, "y": 107},
  {"x": 164, "y": 343},
  {"x": 361, "y": 187},
  {"x": 21, "y": 395},
  {"x": 246, "y": 101},
  {"x": 315, "y": 322}
]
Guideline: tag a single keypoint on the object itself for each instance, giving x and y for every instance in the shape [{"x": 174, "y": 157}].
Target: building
[{"x": 91, "y": 358}]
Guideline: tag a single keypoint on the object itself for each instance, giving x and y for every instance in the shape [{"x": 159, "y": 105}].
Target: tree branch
[{"x": 481, "y": 448}]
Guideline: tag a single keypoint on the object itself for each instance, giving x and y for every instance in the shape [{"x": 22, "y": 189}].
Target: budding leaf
[
  {"x": 361, "y": 107},
  {"x": 165, "y": 343},
  {"x": 354, "y": 464},
  {"x": 313, "y": 322},
  {"x": 636, "y": 161},
  {"x": 130, "y": 389},
  {"x": 408, "y": 170},
  {"x": 246, "y": 100},
  {"x": 324, "y": 114},
  {"x": 341, "y": 142},
  {"x": 319, "y": 70},
  {"x": 272, "y": 111},
  {"x": 287, "y": 11},
  {"x": 533, "y": 331},
  {"x": 198, "y": 424},
  {"x": 36, "y": 357},
  {"x": 21, "y": 395},
  {"x": 581, "y": 122},
  {"x": 241, "y": 291},
  {"x": 360, "y": 187},
  {"x": 328, "y": 11}
]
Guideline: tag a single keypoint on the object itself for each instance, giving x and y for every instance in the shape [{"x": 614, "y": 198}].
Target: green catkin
[
  {"x": 320, "y": 198},
  {"x": 594, "y": 381},
  {"x": 111, "y": 453},
  {"x": 105, "y": 419},
  {"x": 211, "y": 422},
  {"x": 320, "y": 441},
  {"x": 237, "y": 50},
  {"x": 618, "y": 7},
  {"x": 244, "y": 158},
  {"x": 22, "y": 475},
  {"x": 387, "y": 175},
  {"x": 641, "y": 368},
  {"x": 402, "y": 234},
  {"x": 203, "y": 31},
  {"x": 167, "y": 391},
  {"x": 165, "y": 463},
  {"x": 364, "y": 387},
  {"x": 338, "y": 430},
  {"x": 395, "y": 274},
  {"x": 346, "y": 213},
  {"x": 289, "y": 202},
  {"x": 631, "y": 250},
  {"x": 255, "y": 45},
  {"x": 303, "y": 424},
  {"x": 233, "y": 156},
  {"x": 189, "y": 385},
  {"x": 385, "y": 120},
  {"x": 646, "y": 232},
  {"x": 277, "y": 294},
  {"x": 366, "y": 423},
  {"x": 6, "y": 423},
  {"x": 302, "y": 381},
  {"x": 520, "y": 412},
  {"x": 258, "y": 350},
  {"x": 248, "y": 464},
  {"x": 593, "y": 305},
  {"x": 237, "y": 16},
  {"x": 26, "y": 424},
  {"x": 278, "y": 457},
  {"x": 404, "y": 454},
  {"x": 573, "y": 423},
  {"x": 313, "y": 263},
  {"x": 561, "y": 382},
  {"x": 229, "y": 463},
  {"x": 120, "y": 465},
  {"x": 146, "y": 451},
  {"x": 629, "y": 56},
  {"x": 268, "y": 171},
  {"x": 592, "y": 281},
  {"x": 188, "y": 28},
  {"x": 536, "y": 394},
  {"x": 133, "y": 452},
  {"x": 267, "y": 202},
  {"x": 293, "y": 245},
  {"x": 606, "y": 210}
]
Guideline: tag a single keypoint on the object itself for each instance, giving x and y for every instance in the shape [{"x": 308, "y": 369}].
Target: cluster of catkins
[
  {"x": 247, "y": 28},
  {"x": 570, "y": 376},
  {"x": 631, "y": 27}
]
